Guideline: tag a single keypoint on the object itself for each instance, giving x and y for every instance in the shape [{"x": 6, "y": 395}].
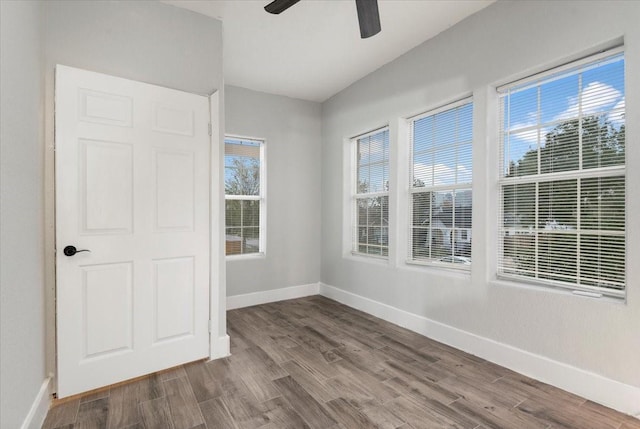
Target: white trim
[
  {"x": 40, "y": 407},
  {"x": 220, "y": 347},
  {"x": 273, "y": 295},
  {"x": 467, "y": 99},
  {"x": 217, "y": 264},
  {"x": 612, "y": 393},
  {"x": 549, "y": 74},
  {"x": 369, "y": 133}
]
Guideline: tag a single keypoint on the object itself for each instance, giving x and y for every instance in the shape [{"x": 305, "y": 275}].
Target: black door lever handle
[{"x": 71, "y": 250}]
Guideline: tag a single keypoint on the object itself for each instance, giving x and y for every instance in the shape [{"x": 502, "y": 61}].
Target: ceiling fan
[{"x": 368, "y": 15}]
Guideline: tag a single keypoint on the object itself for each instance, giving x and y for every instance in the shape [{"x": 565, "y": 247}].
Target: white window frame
[
  {"x": 354, "y": 196},
  {"x": 262, "y": 227},
  {"x": 415, "y": 190},
  {"x": 601, "y": 172}
]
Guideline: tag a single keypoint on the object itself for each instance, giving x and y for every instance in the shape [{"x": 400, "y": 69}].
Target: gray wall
[
  {"x": 291, "y": 129},
  {"x": 22, "y": 323},
  {"x": 507, "y": 40},
  {"x": 141, "y": 40}
]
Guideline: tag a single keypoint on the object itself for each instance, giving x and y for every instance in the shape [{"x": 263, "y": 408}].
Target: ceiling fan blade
[
  {"x": 368, "y": 17},
  {"x": 278, "y": 6}
]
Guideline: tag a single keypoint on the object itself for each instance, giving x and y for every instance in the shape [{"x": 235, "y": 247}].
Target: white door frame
[{"x": 218, "y": 338}]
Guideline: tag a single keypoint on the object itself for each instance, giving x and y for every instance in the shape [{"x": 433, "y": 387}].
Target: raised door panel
[
  {"x": 172, "y": 120},
  {"x": 174, "y": 176},
  {"x": 106, "y": 187},
  {"x": 174, "y": 292},
  {"x": 107, "y": 315},
  {"x": 105, "y": 108}
]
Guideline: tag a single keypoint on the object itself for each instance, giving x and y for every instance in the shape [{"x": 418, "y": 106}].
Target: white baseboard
[
  {"x": 256, "y": 298},
  {"x": 614, "y": 394},
  {"x": 39, "y": 408},
  {"x": 220, "y": 347}
]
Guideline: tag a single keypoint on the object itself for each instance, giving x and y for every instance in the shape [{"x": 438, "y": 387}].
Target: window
[
  {"x": 371, "y": 194},
  {"x": 440, "y": 188},
  {"x": 562, "y": 179},
  {"x": 244, "y": 195}
]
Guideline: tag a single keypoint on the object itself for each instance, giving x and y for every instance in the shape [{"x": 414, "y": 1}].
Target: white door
[{"x": 132, "y": 187}]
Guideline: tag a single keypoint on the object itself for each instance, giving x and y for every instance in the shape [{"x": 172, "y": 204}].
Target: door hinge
[
  {"x": 210, "y": 325},
  {"x": 210, "y": 130}
]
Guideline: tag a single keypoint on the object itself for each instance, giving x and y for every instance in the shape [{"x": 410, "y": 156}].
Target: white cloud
[
  {"x": 530, "y": 136},
  {"x": 596, "y": 97},
  {"x": 443, "y": 174}
]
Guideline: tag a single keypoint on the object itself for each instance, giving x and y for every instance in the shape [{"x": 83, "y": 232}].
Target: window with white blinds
[
  {"x": 440, "y": 189},
  {"x": 562, "y": 180},
  {"x": 244, "y": 195},
  {"x": 371, "y": 194}
]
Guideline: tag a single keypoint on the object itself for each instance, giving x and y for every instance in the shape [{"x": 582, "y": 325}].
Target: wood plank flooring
[{"x": 314, "y": 363}]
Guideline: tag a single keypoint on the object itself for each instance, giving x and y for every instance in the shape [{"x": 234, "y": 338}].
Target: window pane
[
  {"x": 421, "y": 207},
  {"x": 423, "y": 134},
  {"x": 561, "y": 149},
  {"x": 242, "y": 167},
  {"x": 519, "y": 249},
  {"x": 233, "y": 213},
  {"x": 445, "y": 126},
  {"x": 521, "y": 153},
  {"x": 519, "y": 206},
  {"x": 363, "y": 151},
  {"x": 554, "y": 96},
  {"x": 523, "y": 109},
  {"x": 251, "y": 213},
  {"x": 602, "y": 259},
  {"x": 461, "y": 234},
  {"x": 464, "y": 164},
  {"x": 557, "y": 205},
  {"x": 444, "y": 168},
  {"x": 557, "y": 257},
  {"x": 465, "y": 123},
  {"x": 603, "y": 142},
  {"x": 377, "y": 148},
  {"x": 372, "y": 224},
  {"x": 423, "y": 169},
  {"x": 602, "y": 203},
  {"x": 251, "y": 237},
  {"x": 377, "y": 178},
  {"x": 363, "y": 185},
  {"x": 233, "y": 243}
]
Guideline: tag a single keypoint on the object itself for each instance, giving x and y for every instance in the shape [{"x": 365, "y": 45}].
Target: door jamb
[{"x": 218, "y": 338}]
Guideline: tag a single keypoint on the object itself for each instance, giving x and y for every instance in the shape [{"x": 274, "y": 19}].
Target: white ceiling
[{"x": 313, "y": 50}]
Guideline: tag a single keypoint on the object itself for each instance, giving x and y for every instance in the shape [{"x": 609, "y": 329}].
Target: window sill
[
  {"x": 246, "y": 256},
  {"x": 440, "y": 269},
  {"x": 545, "y": 288},
  {"x": 372, "y": 259}
]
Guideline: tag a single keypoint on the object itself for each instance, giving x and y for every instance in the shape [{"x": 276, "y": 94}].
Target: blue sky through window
[{"x": 533, "y": 110}]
